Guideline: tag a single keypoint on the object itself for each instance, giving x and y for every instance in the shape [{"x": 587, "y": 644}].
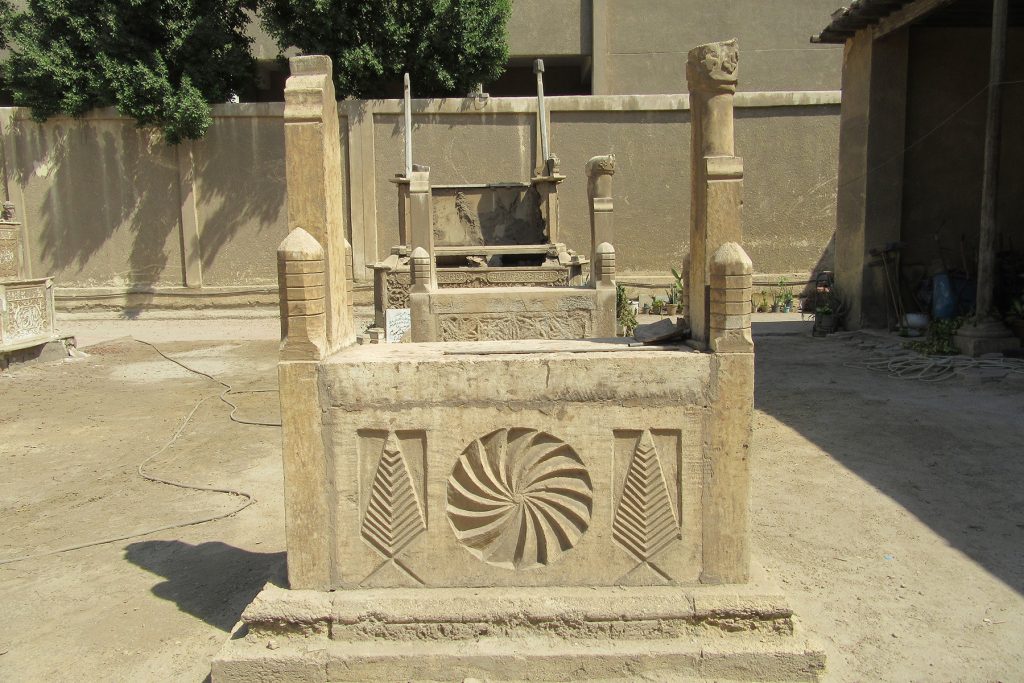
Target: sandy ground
[{"x": 891, "y": 511}]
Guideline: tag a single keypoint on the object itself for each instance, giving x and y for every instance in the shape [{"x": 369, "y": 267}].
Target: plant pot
[
  {"x": 787, "y": 308},
  {"x": 775, "y": 308},
  {"x": 825, "y": 322},
  {"x": 673, "y": 309}
]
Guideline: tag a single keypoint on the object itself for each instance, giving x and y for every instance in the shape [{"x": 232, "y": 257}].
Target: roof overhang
[{"x": 884, "y": 16}]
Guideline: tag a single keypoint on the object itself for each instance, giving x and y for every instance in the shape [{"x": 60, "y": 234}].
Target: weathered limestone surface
[
  {"x": 523, "y": 509},
  {"x": 315, "y": 186},
  {"x": 26, "y": 304},
  {"x": 534, "y": 634},
  {"x": 716, "y": 173}
]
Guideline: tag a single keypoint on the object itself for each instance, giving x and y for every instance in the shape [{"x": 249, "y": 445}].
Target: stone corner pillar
[
  {"x": 424, "y": 323},
  {"x": 716, "y": 173},
  {"x": 731, "y": 281},
  {"x": 600, "y": 170},
  {"x": 726, "y": 534},
  {"x": 603, "y": 280},
  {"x": 301, "y": 282},
  {"x": 421, "y": 217},
  {"x": 315, "y": 186}
]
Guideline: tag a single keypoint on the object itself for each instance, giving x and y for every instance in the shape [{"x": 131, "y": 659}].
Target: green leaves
[
  {"x": 159, "y": 61},
  {"x": 447, "y": 46}
]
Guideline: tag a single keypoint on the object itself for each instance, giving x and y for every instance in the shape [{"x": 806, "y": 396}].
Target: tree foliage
[
  {"x": 447, "y": 46},
  {"x": 159, "y": 61}
]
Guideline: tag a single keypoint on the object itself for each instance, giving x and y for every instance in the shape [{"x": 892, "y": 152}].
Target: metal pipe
[
  {"x": 545, "y": 150},
  {"x": 990, "y": 174},
  {"x": 408, "y": 126}
]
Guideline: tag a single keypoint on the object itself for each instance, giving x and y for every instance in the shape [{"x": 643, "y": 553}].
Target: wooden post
[{"x": 990, "y": 172}]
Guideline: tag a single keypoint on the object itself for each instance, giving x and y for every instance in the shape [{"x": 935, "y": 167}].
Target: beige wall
[
  {"x": 108, "y": 207},
  {"x": 548, "y": 28},
  {"x": 640, "y": 46}
]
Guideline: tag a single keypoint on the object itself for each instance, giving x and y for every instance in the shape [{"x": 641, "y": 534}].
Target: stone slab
[
  {"x": 978, "y": 346},
  {"x": 552, "y": 634}
]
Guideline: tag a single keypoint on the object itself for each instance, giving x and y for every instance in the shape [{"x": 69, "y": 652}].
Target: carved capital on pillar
[
  {"x": 600, "y": 170},
  {"x": 731, "y": 283},
  {"x": 604, "y": 266},
  {"x": 713, "y": 67},
  {"x": 301, "y": 284}
]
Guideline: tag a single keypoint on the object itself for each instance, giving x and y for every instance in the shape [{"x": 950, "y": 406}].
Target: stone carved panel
[
  {"x": 398, "y": 284},
  {"x": 8, "y": 253},
  {"x": 508, "y": 326},
  {"x": 657, "y": 497},
  {"x": 393, "y": 514},
  {"x": 27, "y": 314},
  {"x": 519, "y": 498},
  {"x": 399, "y": 281},
  {"x": 645, "y": 520}
]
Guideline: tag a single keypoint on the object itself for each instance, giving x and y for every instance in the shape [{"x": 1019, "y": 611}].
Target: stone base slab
[
  {"x": 979, "y": 346},
  {"x": 526, "y": 634}
]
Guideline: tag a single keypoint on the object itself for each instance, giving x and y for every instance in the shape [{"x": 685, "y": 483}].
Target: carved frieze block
[
  {"x": 26, "y": 312},
  {"x": 9, "y": 254},
  {"x": 516, "y": 325}
]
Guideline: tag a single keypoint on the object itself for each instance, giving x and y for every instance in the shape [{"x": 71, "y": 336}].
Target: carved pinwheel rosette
[{"x": 519, "y": 498}]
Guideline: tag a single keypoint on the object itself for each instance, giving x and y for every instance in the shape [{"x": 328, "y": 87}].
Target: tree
[
  {"x": 158, "y": 61},
  {"x": 447, "y": 46}
]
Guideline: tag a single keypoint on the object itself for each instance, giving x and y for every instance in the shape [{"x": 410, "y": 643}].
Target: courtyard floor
[{"x": 890, "y": 511}]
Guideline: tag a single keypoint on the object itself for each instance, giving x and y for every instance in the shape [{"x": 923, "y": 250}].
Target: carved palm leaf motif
[
  {"x": 393, "y": 516},
  {"x": 645, "y": 521},
  {"x": 519, "y": 498}
]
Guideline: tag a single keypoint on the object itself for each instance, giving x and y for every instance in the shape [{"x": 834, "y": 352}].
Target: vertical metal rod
[
  {"x": 408, "y": 127},
  {"x": 545, "y": 151},
  {"x": 990, "y": 177}
]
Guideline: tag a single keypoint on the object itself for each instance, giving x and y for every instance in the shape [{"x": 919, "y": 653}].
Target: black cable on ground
[{"x": 249, "y": 499}]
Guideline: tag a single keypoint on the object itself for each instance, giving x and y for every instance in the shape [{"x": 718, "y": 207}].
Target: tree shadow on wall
[
  {"x": 240, "y": 167},
  {"x": 212, "y": 581},
  {"x": 108, "y": 188}
]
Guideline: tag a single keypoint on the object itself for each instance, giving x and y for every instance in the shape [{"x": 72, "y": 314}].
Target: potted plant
[
  {"x": 656, "y": 306},
  {"x": 824, "y": 320},
  {"x": 787, "y": 301},
  {"x": 763, "y": 306},
  {"x": 776, "y": 300},
  {"x": 675, "y": 294}
]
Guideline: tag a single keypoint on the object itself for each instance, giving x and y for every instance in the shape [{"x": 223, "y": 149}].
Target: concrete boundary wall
[{"x": 122, "y": 220}]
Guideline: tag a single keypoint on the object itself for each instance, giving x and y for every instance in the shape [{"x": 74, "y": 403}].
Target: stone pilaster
[
  {"x": 600, "y": 170},
  {"x": 421, "y": 218},
  {"x": 716, "y": 173},
  {"x": 301, "y": 283},
  {"x": 314, "y": 181}
]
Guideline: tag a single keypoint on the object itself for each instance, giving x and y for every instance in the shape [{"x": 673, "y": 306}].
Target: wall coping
[{"x": 493, "y": 105}]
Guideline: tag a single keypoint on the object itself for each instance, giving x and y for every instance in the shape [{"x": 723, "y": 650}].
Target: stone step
[{"x": 741, "y": 656}]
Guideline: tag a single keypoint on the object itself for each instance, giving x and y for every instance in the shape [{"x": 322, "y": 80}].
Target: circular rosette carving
[{"x": 519, "y": 498}]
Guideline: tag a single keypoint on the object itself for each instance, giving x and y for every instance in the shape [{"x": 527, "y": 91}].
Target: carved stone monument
[
  {"x": 26, "y": 304},
  {"x": 501, "y": 239},
  {"x": 517, "y": 510}
]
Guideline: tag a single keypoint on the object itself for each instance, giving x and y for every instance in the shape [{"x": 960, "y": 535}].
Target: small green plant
[
  {"x": 624, "y": 311},
  {"x": 938, "y": 340},
  {"x": 675, "y": 294},
  {"x": 823, "y": 310},
  {"x": 656, "y": 306}
]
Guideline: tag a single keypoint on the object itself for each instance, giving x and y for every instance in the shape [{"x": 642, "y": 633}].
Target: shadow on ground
[
  {"x": 212, "y": 581},
  {"x": 948, "y": 453}
]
